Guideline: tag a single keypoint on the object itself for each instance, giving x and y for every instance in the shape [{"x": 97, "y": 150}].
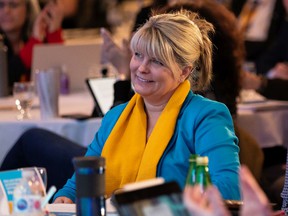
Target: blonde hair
[{"x": 178, "y": 39}]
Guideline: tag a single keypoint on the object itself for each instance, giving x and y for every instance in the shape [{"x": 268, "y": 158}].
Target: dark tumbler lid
[{"x": 89, "y": 162}]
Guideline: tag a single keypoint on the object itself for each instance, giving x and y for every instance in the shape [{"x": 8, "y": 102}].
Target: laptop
[{"x": 79, "y": 60}]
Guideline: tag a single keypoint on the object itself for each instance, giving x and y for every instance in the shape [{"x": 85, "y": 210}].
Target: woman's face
[
  {"x": 151, "y": 79},
  {"x": 12, "y": 15}
]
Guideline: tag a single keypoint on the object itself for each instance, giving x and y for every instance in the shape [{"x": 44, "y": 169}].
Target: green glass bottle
[
  {"x": 202, "y": 173},
  {"x": 191, "y": 177}
]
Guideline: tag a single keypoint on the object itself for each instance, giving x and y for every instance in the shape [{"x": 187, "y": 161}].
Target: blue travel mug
[{"x": 90, "y": 186}]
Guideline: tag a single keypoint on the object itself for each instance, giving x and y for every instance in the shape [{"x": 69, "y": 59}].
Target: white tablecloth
[
  {"x": 81, "y": 132},
  {"x": 266, "y": 122}
]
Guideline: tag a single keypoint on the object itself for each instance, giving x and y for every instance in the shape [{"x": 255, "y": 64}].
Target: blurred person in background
[
  {"x": 274, "y": 62},
  {"x": 271, "y": 79},
  {"x": 260, "y": 21},
  {"x": 23, "y": 26}
]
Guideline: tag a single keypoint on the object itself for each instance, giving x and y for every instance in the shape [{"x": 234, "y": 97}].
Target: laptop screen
[{"x": 80, "y": 61}]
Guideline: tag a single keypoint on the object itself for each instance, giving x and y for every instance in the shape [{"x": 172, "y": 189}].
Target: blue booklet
[{"x": 8, "y": 181}]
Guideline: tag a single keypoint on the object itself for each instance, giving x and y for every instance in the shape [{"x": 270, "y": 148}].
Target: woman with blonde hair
[{"x": 154, "y": 133}]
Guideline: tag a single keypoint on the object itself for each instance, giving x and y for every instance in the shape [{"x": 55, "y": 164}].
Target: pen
[{"x": 50, "y": 193}]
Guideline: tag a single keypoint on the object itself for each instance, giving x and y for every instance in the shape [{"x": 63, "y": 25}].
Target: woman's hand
[
  {"x": 250, "y": 80},
  {"x": 63, "y": 199},
  {"x": 39, "y": 27},
  {"x": 280, "y": 71},
  {"x": 255, "y": 201},
  {"x": 48, "y": 20},
  {"x": 208, "y": 204},
  {"x": 119, "y": 57},
  {"x": 55, "y": 14}
]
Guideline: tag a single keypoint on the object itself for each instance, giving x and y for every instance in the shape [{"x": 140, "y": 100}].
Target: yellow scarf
[{"x": 128, "y": 157}]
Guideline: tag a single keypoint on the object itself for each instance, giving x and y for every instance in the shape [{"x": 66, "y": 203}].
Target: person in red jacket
[{"x": 23, "y": 25}]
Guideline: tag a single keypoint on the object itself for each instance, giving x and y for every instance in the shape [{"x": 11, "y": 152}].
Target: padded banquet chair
[{"x": 251, "y": 153}]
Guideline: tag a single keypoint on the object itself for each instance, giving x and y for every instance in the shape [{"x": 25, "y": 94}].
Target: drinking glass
[{"x": 23, "y": 93}]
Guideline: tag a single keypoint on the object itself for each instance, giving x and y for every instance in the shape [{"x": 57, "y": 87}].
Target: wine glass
[{"x": 23, "y": 93}]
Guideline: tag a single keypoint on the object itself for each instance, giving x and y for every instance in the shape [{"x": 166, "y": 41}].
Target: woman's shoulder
[
  {"x": 198, "y": 108},
  {"x": 200, "y": 102}
]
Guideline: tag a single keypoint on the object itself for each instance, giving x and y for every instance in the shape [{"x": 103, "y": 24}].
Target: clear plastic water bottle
[{"x": 27, "y": 196}]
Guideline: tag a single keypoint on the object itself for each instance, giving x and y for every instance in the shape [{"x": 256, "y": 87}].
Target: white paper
[
  {"x": 68, "y": 208},
  {"x": 71, "y": 208}
]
